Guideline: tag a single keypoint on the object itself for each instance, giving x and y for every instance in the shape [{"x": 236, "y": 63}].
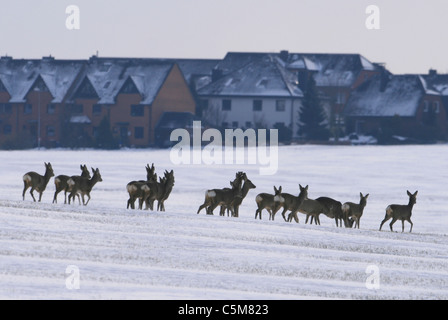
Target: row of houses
[{"x": 50, "y": 102}]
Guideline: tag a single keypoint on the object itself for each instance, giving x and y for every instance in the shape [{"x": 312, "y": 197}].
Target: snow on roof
[
  {"x": 108, "y": 76},
  {"x": 18, "y": 76},
  {"x": 401, "y": 96},
  {"x": 259, "y": 77}
]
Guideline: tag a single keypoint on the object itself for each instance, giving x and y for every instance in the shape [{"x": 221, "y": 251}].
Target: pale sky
[{"x": 411, "y": 38}]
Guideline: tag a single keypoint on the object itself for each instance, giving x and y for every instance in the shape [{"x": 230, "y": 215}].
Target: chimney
[
  {"x": 432, "y": 72},
  {"x": 284, "y": 54}
]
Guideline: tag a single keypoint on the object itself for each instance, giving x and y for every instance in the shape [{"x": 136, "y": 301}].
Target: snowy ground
[{"x": 178, "y": 254}]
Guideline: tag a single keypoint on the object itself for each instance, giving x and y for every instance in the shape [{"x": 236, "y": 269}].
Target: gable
[
  {"x": 129, "y": 87},
  {"x": 86, "y": 90}
]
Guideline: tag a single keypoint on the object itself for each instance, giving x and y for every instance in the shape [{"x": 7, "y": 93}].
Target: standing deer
[
  {"x": 312, "y": 208},
  {"x": 292, "y": 203},
  {"x": 267, "y": 201},
  {"x": 236, "y": 202},
  {"x": 83, "y": 185},
  {"x": 60, "y": 183},
  {"x": 400, "y": 212},
  {"x": 333, "y": 209},
  {"x": 36, "y": 181},
  {"x": 354, "y": 210},
  {"x": 165, "y": 190},
  {"x": 219, "y": 197},
  {"x": 140, "y": 189}
]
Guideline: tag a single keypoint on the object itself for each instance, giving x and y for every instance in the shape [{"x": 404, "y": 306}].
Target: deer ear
[
  {"x": 415, "y": 194},
  {"x": 409, "y": 194},
  {"x": 280, "y": 189}
]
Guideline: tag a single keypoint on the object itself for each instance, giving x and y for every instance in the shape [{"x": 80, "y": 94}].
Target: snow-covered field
[{"x": 178, "y": 254}]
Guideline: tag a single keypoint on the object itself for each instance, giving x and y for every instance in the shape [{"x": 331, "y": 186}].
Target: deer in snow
[
  {"x": 140, "y": 189},
  {"x": 400, "y": 212},
  {"x": 220, "y": 197},
  {"x": 312, "y": 208},
  {"x": 83, "y": 185},
  {"x": 267, "y": 201},
  {"x": 333, "y": 210},
  {"x": 60, "y": 183},
  {"x": 289, "y": 202},
  {"x": 37, "y": 181},
  {"x": 355, "y": 210},
  {"x": 236, "y": 202},
  {"x": 164, "y": 190}
]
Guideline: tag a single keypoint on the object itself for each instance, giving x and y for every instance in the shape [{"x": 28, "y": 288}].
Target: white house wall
[{"x": 242, "y": 112}]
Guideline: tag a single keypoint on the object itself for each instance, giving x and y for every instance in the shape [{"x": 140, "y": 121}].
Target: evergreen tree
[
  {"x": 105, "y": 138},
  {"x": 313, "y": 122}
]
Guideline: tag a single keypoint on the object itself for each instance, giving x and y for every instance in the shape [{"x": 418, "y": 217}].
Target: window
[
  {"x": 51, "y": 108},
  {"x": 280, "y": 105},
  {"x": 248, "y": 124},
  {"x": 137, "y": 110},
  {"x": 436, "y": 106},
  {"x": 5, "y": 108},
  {"x": 234, "y": 124},
  {"x": 225, "y": 124},
  {"x": 50, "y": 131},
  {"x": 425, "y": 106},
  {"x": 7, "y": 129},
  {"x": 27, "y": 108},
  {"x": 226, "y": 105},
  {"x": 257, "y": 105},
  {"x": 138, "y": 132},
  {"x": 96, "y": 109}
]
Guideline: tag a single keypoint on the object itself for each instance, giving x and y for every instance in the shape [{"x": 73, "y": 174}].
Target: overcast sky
[{"x": 411, "y": 38}]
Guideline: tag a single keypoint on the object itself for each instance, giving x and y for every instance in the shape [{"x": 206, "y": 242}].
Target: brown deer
[
  {"x": 221, "y": 197},
  {"x": 140, "y": 189},
  {"x": 267, "y": 201},
  {"x": 60, "y": 183},
  {"x": 354, "y": 210},
  {"x": 236, "y": 202},
  {"x": 312, "y": 208},
  {"x": 165, "y": 190},
  {"x": 36, "y": 181},
  {"x": 400, "y": 212},
  {"x": 333, "y": 210},
  {"x": 289, "y": 202},
  {"x": 83, "y": 185}
]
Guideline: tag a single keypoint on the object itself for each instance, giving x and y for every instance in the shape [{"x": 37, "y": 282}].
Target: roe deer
[
  {"x": 354, "y": 210},
  {"x": 140, "y": 189},
  {"x": 60, "y": 183},
  {"x": 36, "y": 181},
  {"x": 83, "y": 185},
  {"x": 267, "y": 201},
  {"x": 289, "y": 202},
  {"x": 312, "y": 208},
  {"x": 401, "y": 212},
  {"x": 240, "y": 177},
  {"x": 236, "y": 202},
  {"x": 334, "y": 209},
  {"x": 165, "y": 189},
  {"x": 216, "y": 197}
]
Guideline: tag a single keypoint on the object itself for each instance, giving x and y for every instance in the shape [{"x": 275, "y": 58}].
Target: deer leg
[
  {"x": 88, "y": 196},
  {"x": 25, "y": 187},
  {"x": 40, "y": 195},
  {"x": 387, "y": 217},
  {"x": 31, "y": 192},
  {"x": 393, "y": 221},
  {"x": 409, "y": 220},
  {"x": 256, "y": 213},
  {"x": 202, "y": 206}
]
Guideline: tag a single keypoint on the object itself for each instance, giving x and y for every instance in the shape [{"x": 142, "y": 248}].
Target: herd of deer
[
  {"x": 230, "y": 199},
  {"x": 348, "y": 213}
]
